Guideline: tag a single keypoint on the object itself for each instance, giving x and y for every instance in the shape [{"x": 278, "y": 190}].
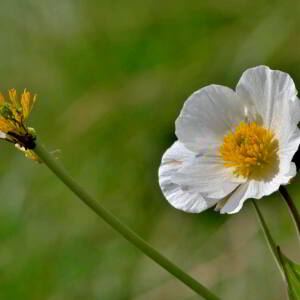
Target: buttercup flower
[
  {"x": 13, "y": 122},
  {"x": 233, "y": 145}
]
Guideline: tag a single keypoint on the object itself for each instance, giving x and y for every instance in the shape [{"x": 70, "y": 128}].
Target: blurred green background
[{"x": 111, "y": 77}]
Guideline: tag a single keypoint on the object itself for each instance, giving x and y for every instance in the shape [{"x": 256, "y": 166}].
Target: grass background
[{"x": 111, "y": 77}]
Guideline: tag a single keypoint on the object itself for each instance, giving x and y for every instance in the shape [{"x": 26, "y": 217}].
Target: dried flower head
[{"x": 13, "y": 121}]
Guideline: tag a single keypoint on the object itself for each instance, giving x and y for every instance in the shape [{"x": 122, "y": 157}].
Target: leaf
[{"x": 292, "y": 274}]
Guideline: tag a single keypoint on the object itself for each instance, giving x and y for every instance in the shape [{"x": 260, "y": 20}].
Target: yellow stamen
[
  {"x": 6, "y": 125},
  {"x": 14, "y": 113},
  {"x": 27, "y": 102},
  {"x": 251, "y": 150},
  {"x": 13, "y": 97}
]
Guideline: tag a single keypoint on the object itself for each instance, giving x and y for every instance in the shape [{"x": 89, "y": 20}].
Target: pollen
[{"x": 251, "y": 150}]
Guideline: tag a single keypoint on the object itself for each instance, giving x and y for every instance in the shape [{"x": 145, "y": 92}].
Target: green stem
[
  {"x": 268, "y": 237},
  {"x": 292, "y": 208},
  {"x": 125, "y": 231},
  {"x": 284, "y": 269}
]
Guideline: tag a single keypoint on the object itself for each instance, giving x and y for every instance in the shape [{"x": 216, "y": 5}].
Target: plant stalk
[
  {"x": 125, "y": 231},
  {"x": 292, "y": 208},
  {"x": 271, "y": 243}
]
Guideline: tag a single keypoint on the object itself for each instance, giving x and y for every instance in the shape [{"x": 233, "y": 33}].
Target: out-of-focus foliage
[
  {"x": 291, "y": 272},
  {"x": 111, "y": 77}
]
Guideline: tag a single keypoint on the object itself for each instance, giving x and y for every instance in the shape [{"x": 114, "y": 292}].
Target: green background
[{"x": 111, "y": 78}]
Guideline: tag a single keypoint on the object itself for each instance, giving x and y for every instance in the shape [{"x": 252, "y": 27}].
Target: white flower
[{"x": 233, "y": 145}]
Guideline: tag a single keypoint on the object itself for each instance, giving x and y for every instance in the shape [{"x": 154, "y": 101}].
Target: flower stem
[
  {"x": 292, "y": 208},
  {"x": 284, "y": 270},
  {"x": 125, "y": 231},
  {"x": 268, "y": 237}
]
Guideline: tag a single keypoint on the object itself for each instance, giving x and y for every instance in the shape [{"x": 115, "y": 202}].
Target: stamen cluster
[{"x": 251, "y": 150}]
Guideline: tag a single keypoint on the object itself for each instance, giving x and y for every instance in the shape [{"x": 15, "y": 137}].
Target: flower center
[{"x": 251, "y": 150}]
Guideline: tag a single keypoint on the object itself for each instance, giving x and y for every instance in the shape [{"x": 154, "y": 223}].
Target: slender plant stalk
[
  {"x": 125, "y": 231},
  {"x": 292, "y": 208},
  {"x": 285, "y": 271},
  {"x": 272, "y": 245}
]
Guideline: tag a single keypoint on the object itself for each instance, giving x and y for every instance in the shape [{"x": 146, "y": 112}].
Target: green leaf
[{"x": 292, "y": 274}]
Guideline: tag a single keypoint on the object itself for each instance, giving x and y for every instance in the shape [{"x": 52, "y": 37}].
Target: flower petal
[
  {"x": 295, "y": 111},
  {"x": 207, "y": 115},
  {"x": 257, "y": 189},
  {"x": 2, "y": 135},
  {"x": 237, "y": 199},
  {"x": 272, "y": 93},
  {"x": 288, "y": 147},
  {"x": 179, "y": 196},
  {"x": 208, "y": 176}
]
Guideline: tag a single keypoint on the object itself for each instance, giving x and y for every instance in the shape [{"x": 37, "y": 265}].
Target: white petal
[
  {"x": 257, "y": 189},
  {"x": 2, "y": 135},
  {"x": 207, "y": 116},
  {"x": 287, "y": 148},
  {"x": 178, "y": 196},
  {"x": 236, "y": 200},
  {"x": 290, "y": 174},
  {"x": 177, "y": 152},
  {"x": 208, "y": 176},
  {"x": 295, "y": 111},
  {"x": 265, "y": 188},
  {"x": 224, "y": 190},
  {"x": 272, "y": 93},
  {"x": 285, "y": 123}
]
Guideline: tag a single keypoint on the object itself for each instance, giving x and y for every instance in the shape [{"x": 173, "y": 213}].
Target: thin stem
[
  {"x": 125, "y": 231},
  {"x": 284, "y": 268},
  {"x": 268, "y": 237},
  {"x": 292, "y": 208}
]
